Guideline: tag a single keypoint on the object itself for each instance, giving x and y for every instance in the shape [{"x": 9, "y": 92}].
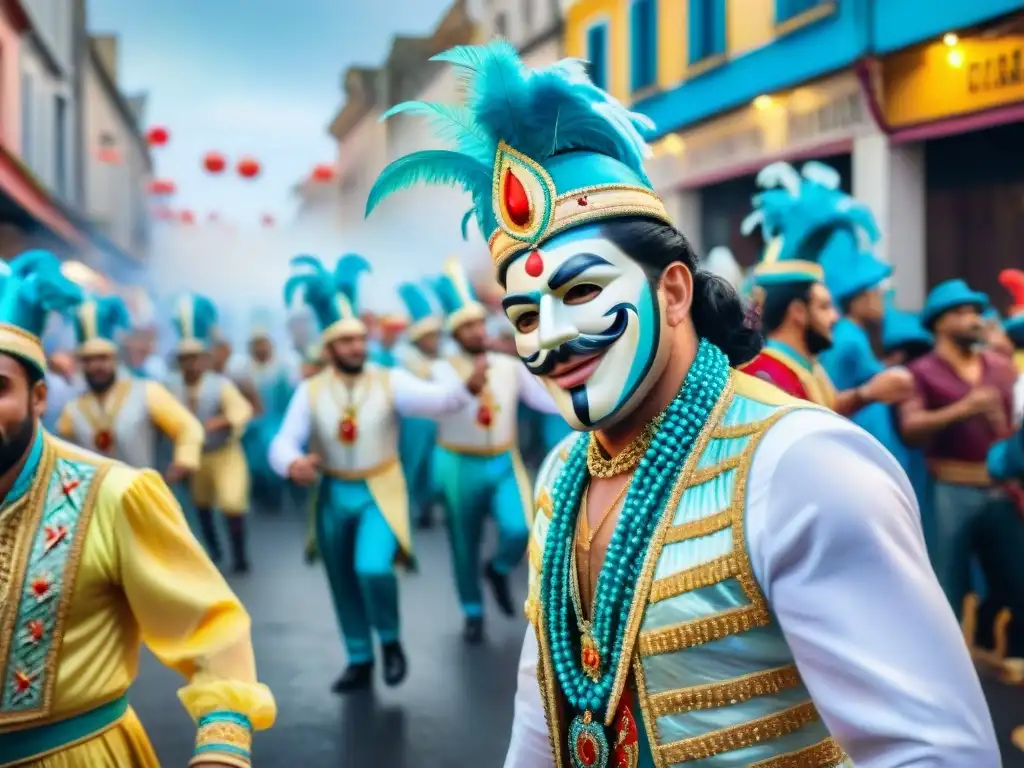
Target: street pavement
[{"x": 453, "y": 711}]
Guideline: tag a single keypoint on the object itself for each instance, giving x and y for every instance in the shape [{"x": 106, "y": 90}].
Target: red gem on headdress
[
  {"x": 534, "y": 264},
  {"x": 582, "y": 201},
  {"x": 517, "y": 202}
]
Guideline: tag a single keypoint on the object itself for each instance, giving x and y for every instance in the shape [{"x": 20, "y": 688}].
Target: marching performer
[
  {"x": 348, "y": 414},
  {"x": 417, "y": 438},
  {"x": 700, "y": 570},
  {"x": 807, "y": 222},
  {"x": 477, "y": 463},
  {"x": 99, "y": 560},
  {"x": 222, "y": 481},
  {"x": 121, "y": 416}
]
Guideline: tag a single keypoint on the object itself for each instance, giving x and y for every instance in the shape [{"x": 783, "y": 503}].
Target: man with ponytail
[{"x": 708, "y": 542}]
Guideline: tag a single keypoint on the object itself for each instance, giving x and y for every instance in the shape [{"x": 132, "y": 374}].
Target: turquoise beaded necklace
[{"x": 586, "y": 666}]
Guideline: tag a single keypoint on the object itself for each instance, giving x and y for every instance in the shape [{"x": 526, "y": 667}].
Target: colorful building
[{"x": 736, "y": 84}]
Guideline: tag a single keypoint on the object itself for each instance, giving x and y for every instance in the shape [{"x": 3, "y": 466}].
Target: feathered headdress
[
  {"x": 1013, "y": 281},
  {"x": 332, "y": 296},
  {"x": 456, "y": 296},
  {"x": 31, "y": 287},
  {"x": 98, "y": 320},
  {"x": 195, "y": 321},
  {"x": 422, "y": 317},
  {"x": 538, "y": 150}
]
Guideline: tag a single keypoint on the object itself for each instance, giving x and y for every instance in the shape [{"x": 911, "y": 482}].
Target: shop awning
[{"x": 35, "y": 203}]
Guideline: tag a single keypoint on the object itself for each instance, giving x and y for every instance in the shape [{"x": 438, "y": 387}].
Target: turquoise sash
[{"x": 19, "y": 746}]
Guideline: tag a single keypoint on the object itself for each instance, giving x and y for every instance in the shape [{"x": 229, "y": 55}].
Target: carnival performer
[
  {"x": 349, "y": 414},
  {"x": 477, "y": 464},
  {"x": 98, "y": 561},
  {"x": 807, "y": 222},
  {"x": 222, "y": 481},
  {"x": 701, "y": 572},
  {"x": 1013, "y": 281},
  {"x": 120, "y": 416},
  {"x": 418, "y": 435},
  {"x": 962, "y": 407}
]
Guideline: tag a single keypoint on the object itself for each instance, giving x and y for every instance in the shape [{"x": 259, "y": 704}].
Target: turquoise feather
[
  {"x": 112, "y": 314},
  {"x": 430, "y": 166},
  {"x": 33, "y": 288},
  {"x": 466, "y": 218}
]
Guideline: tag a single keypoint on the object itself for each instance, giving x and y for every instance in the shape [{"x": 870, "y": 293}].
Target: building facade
[
  {"x": 736, "y": 84},
  {"x": 534, "y": 27}
]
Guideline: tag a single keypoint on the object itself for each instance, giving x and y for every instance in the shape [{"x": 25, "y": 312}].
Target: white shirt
[
  {"x": 411, "y": 397},
  {"x": 1018, "y": 400},
  {"x": 841, "y": 559},
  {"x": 528, "y": 387}
]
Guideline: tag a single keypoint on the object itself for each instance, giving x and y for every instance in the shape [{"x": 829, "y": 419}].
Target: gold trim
[
  {"x": 536, "y": 555},
  {"x": 347, "y": 326},
  {"x": 722, "y": 694},
  {"x": 773, "y": 726},
  {"x": 96, "y": 347},
  {"x": 694, "y": 529},
  {"x": 736, "y": 430},
  {"x": 817, "y": 385},
  {"x": 801, "y": 20},
  {"x": 546, "y": 682},
  {"x": 362, "y": 474},
  {"x": 19, "y": 342},
  {"x": 189, "y": 347},
  {"x": 465, "y": 314},
  {"x": 530, "y": 611},
  {"x": 825, "y": 753},
  {"x": 653, "y": 554},
  {"x": 424, "y": 327},
  {"x": 478, "y": 450},
  {"x": 545, "y": 504},
  {"x": 698, "y": 68},
  {"x": 794, "y": 267},
  {"x": 706, "y": 474},
  {"x": 706, "y": 629},
  {"x": 704, "y": 575},
  {"x": 960, "y": 472},
  {"x": 504, "y": 159}
]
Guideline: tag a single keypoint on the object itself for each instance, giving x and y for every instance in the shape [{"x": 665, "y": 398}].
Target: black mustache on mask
[{"x": 584, "y": 344}]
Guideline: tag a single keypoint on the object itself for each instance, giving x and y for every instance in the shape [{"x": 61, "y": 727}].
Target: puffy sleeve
[
  {"x": 292, "y": 436},
  {"x": 186, "y": 612},
  {"x": 177, "y": 422},
  {"x": 841, "y": 559},
  {"x": 421, "y": 397},
  {"x": 530, "y": 745},
  {"x": 236, "y": 409}
]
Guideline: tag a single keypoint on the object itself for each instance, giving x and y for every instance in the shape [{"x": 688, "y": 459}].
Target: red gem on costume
[
  {"x": 22, "y": 681},
  {"x": 40, "y": 587},
  {"x": 591, "y": 658},
  {"x": 517, "y": 202},
  {"x": 70, "y": 485},
  {"x": 534, "y": 264},
  {"x": 54, "y": 535},
  {"x": 347, "y": 431},
  {"x": 582, "y": 201},
  {"x": 35, "y": 629},
  {"x": 103, "y": 441},
  {"x": 484, "y": 417},
  {"x": 586, "y": 749}
]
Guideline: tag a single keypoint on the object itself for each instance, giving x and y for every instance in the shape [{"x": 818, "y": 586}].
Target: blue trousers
[
  {"x": 416, "y": 448},
  {"x": 358, "y": 551},
  {"x": 956, "y": 511},
  {"x": 475, "y": 487}
]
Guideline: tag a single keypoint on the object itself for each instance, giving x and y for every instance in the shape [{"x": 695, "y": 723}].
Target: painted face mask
[{"x": 588, "y": 324}]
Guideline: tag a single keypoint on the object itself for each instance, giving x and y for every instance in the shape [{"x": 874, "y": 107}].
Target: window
[
  {"x": 60, "y": 157},
  {"x": 27, "y": 99},
  {"x": 643, "y": 44},
  {"x": 500, "y": 25},
  {"x": 787, "y": 9},
  {"x": 597, "y": 54},
  {"x": 707, "y": 29}
]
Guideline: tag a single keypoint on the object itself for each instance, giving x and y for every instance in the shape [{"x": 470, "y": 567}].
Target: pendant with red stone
[
  {"x": 484, "y": 416},
  {"x": 588, "y": 744},
  {"x": 104, "y": 440},
  {"x": 348, "y": 431},
  {"x": 590, "y": 657}
]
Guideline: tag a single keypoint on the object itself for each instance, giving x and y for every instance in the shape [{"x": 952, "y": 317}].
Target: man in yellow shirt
[
  {"x": 119, "y": 415},
  {"x": 222, "y": 480},
  {"x": 99, "y": 560}
]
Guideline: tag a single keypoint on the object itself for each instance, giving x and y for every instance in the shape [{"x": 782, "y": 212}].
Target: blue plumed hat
[
  {"x": 950, "y": 295},
  {"x": 333, "y": 297},
  {"x": 811, "y": 228},
  {"x": 456, "y": 296},
  {"x": 31, "y": 287},
  {"x": 423, "y": 318},
  {"x": 538, "y": 150},
  {"x": 98, "y": 320},
  {"x": 195, "y": 321}
]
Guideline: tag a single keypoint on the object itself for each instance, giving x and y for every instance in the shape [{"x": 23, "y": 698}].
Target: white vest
[
  {"x": 376, "y": 423},
  {"x": 461, "y": 432},
  {"x": 205, "y": 404},
  {"x": 124, "y": 416},
  {"x": 416, "y": 363}
]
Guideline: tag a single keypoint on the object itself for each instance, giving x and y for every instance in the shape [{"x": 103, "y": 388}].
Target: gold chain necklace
[{"x": 626, "y": 460}]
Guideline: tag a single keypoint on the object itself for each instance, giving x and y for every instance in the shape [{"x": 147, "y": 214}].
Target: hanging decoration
[
  {"x": 267, "y": 220},
  {"x": 163, "y": 213},
  {"x": 213, "y": 217},
  {"x": 162, "y": 187},
  {"x": 214, "y": 162},
  {"x": 157, "y": 136},
  {"x": 187, "y": 217},
  {"x": 323, "y": 173},
  {"x": 248, "y": 168}
]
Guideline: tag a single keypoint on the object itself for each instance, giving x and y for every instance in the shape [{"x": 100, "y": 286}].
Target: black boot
[
  {"x": 209, "y": 533},
  {"x": 236, "y": 530},
  {"x": 499, "y": 585},
  {"x": 473, "y": 631},
  {"x": 395, "y": 666},
  {"x": 426, "y": 519},
  {"x": 356, "y": 677}
]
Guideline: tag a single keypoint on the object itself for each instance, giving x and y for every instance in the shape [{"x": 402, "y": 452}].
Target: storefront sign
[
  {"x": 819, "y": 114},
  {"x": 942, "y": 81}
]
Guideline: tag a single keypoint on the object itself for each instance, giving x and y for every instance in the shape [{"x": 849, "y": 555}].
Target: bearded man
[{"x": 705, "y": 585}]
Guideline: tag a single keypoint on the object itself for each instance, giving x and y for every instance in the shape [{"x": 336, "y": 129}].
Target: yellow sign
[{"x": 944, "y": 80}]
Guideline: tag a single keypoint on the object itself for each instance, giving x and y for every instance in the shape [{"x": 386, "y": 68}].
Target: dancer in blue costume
[
  {"x": 705, "y": 586},
  {"x": 477, "y": 464},
  {"x": 348, "y": 415},
  {"x": 418, "y": 436}
]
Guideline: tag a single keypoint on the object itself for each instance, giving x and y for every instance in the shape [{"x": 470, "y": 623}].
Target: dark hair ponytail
[{"x": 718, "y": 313}]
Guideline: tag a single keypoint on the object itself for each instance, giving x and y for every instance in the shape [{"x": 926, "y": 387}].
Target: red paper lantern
[
  {"x": 323, "y": 172},
  {"x": 157, "y": 136},
  {"x": 162, "y": 187},
  {"x": 215, "y": 162},
  {"x": 187, "y": 217},
  {"x": 267, "y": 220},
  {"x": 248, "y": 168},
  {"x": 163, "y": 213},
  {"x": 213, "y": 216}
]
